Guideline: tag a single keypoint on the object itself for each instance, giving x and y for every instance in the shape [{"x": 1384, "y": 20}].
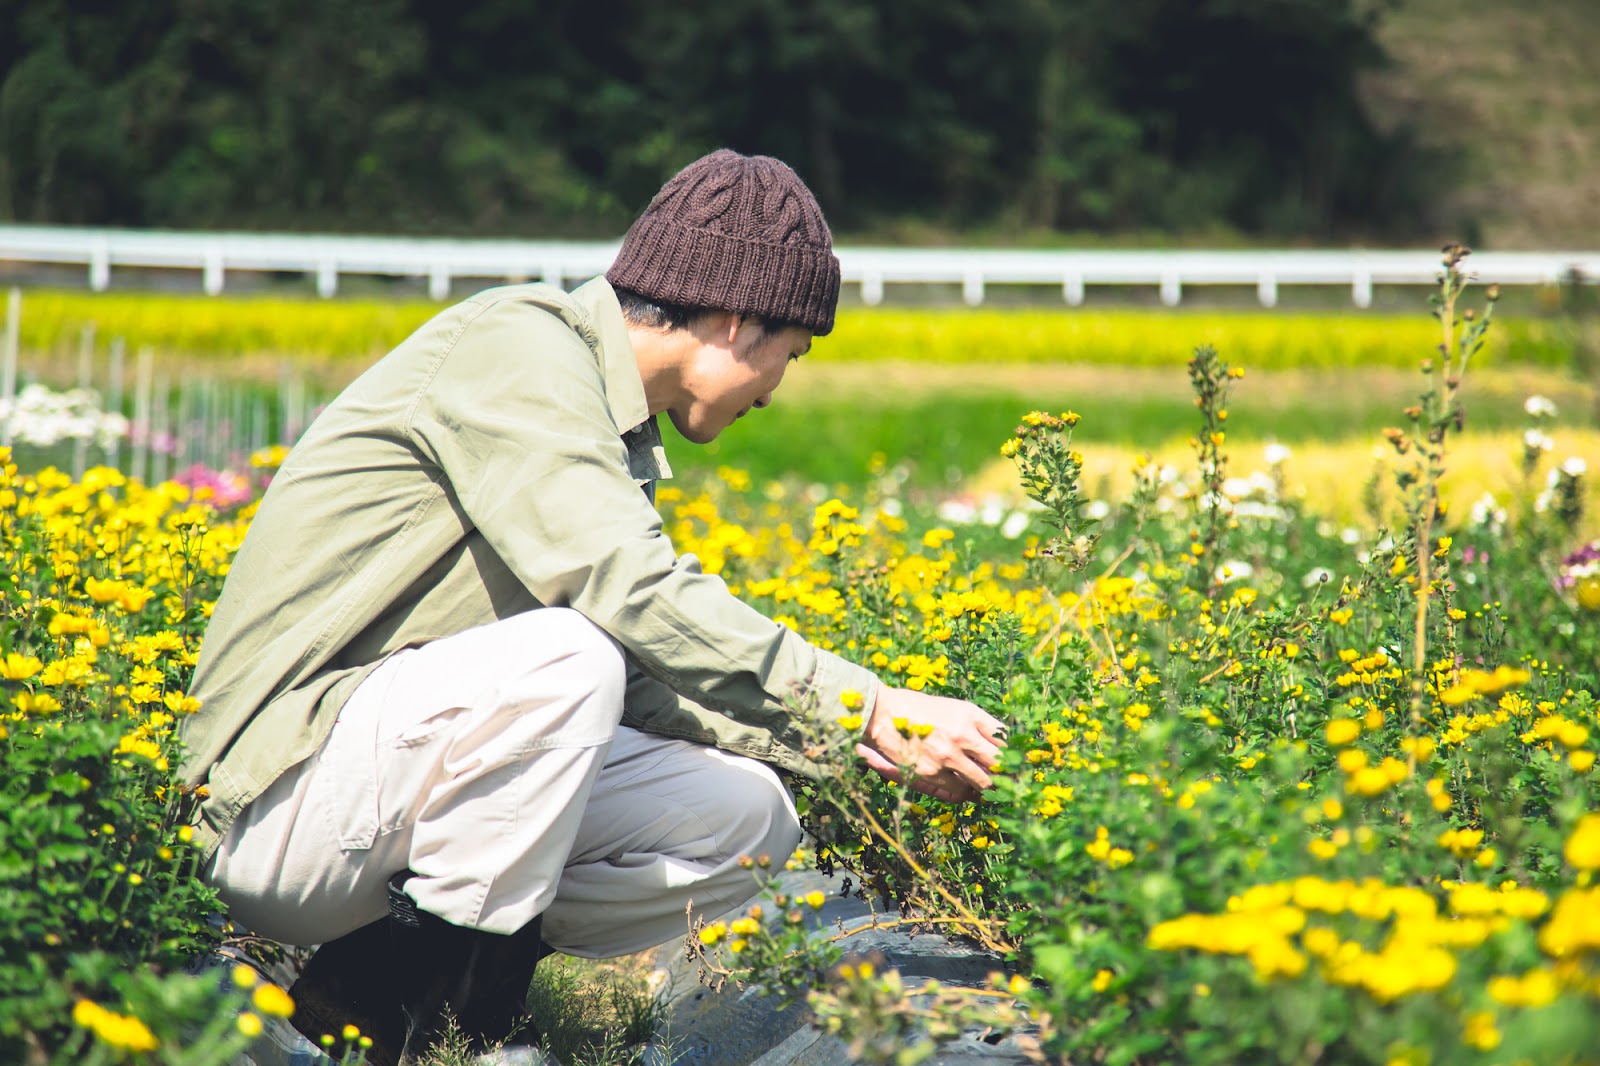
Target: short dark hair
[
  {"x": 644, "y": 312},
  {"x": 656, "y": 314}
]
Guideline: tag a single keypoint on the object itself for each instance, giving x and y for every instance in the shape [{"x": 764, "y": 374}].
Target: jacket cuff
[{"x": 835, "y": 676}]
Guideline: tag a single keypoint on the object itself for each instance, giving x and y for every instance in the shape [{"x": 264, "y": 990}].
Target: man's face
[{"x": 737, "y": 367}]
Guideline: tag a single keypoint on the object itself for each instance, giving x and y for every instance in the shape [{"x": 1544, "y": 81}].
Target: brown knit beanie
[{"x": 737, "y": 233}]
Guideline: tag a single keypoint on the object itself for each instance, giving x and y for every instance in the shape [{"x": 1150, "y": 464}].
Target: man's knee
[
  {"x": 558, "y": 642},
  {"x": 760, "y": 814}
]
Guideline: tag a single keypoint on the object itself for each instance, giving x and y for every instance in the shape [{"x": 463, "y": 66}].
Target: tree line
[{"x": 561, "y": 117}]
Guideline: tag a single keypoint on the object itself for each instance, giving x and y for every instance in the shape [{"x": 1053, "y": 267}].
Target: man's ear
[{"x": 735, "y": 323}]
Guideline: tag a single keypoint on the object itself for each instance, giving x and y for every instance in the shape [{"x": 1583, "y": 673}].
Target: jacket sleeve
[{"x": 516, "y": 420}]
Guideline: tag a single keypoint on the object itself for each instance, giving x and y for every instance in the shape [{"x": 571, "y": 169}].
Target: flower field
[
  {"x": 355, "y": 332},
  {"x": 1273, "y": 793},
  {"x": 1277, "y": 789},
  {"x": 1230, "y": 828},
  {"x": 107, "y": 585}
]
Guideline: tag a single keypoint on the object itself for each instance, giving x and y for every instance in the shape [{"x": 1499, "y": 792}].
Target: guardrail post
[
  {"x": 972, "y": 288},
  {"x": 327, "y": 279},
  {"x": 100, "y": 266},
  {"x": 1361, "y": 287},
  {"x": 552, "y": 274},
  {"x": 872, "y": 288},
  {"x": 1267, "y": 290},
  {"x": 1171, "y": 288},
  {"x": 1072, "y": 289},
  {"x": 439, "y": 282},
  {"x": 213, "y": 271}
]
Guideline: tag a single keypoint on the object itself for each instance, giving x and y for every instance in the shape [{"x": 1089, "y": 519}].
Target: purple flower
[{"x": 1585, "y": 562}]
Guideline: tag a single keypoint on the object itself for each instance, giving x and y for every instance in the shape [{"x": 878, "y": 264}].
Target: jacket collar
[{"x": 624, "y": 386}]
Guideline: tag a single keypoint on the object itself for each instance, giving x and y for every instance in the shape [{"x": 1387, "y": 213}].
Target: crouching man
[{"x": 463, "y": 704}]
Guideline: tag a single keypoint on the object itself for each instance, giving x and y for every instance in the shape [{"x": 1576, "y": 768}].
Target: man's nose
[{"x": 763, "y": 400}]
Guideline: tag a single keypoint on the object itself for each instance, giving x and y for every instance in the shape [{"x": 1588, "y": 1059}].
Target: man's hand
[{"x": 952, "y": 762}]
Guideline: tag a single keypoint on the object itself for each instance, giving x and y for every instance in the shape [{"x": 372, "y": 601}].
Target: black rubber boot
[
  {"x": 477, "y": 978},
  {"x": 351, "y": 981}
]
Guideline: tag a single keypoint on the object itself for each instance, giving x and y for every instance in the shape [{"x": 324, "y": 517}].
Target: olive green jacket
[{"x": 499, "y": 460}]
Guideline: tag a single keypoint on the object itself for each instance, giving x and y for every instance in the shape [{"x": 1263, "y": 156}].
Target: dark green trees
[{"x": 541, "y": 117}]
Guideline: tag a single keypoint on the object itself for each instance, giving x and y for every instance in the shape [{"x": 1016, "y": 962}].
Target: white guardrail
[{"x": 326, "y": 258}]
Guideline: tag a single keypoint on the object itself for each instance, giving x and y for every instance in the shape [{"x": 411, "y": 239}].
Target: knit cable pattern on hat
[{"x": 738, "y": 233}]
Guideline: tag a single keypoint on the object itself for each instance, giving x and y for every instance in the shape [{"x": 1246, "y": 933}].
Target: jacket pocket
[{"x": 349, "y": 758}]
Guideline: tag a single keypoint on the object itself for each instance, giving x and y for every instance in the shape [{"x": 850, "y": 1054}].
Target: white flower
[
  {"x": 1574, "y": 467},
  {"x": 1540, "y": 407},
  {"x": 1535, "y": 441},
  {"x": 957, "y": 512},
  {"x": 1016, "y": 522},
  {"x": 42, "y": 417},
  {"x": 1258, "y": 509},
  {"x": 1487, "y": 511},
  {"x": 1234, "y": 570},
  {"x": 1097, "y": 509},
  {"x": 1277, "y": 453}
]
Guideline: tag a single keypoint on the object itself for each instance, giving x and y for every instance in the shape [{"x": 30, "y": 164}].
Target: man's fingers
[
  {"x": 974, "y": 758},
  {"x": 948, "y": 783},
  {"x": 975, "y": 773},
  {"x": 877, "y": 763},
  {"x": 938, "y": 788}
]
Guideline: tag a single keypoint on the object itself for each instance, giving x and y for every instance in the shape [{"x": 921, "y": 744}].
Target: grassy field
[
  {"x": 943, "y": 424},
  {"x": 937, "y": 389}
]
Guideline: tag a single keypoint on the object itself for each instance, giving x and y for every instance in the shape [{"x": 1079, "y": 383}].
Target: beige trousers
[{"x": 491, "y": 763}]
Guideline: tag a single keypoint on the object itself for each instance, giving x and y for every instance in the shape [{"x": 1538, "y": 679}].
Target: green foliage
[
  {"x": 564, "y": 117},
  {"x": 105, "y": 591},
  {"x": 92, "y": 874},
  {"x": 589, "y": 1016}
]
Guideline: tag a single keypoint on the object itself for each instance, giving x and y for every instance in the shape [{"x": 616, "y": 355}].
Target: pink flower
[{"x": 220, "y": 488}]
